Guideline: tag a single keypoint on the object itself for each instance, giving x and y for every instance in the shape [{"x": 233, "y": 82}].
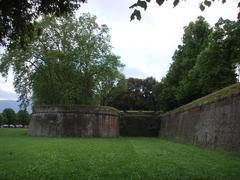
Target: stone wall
[
  {"x": 82, "y": 121},
  {"x": 139, "y": 124},
  {"x": 216, "y": 124}
]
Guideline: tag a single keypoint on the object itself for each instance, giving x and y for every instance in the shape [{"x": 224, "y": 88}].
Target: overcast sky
[{"x": 145, "y": 47}]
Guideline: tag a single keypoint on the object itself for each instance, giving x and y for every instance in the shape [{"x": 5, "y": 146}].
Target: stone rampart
[
  {"x": 74, "y": 121},
  {"x": 215, "y": 124},
  {"x": 212, "y": 121}
]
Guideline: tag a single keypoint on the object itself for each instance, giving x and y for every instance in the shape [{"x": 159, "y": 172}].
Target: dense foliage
[
  {"x": 68, "y": 62},
  {"x": 9, "y": 116},
  {"x": 136, "y": 94},
  {"x": 23, "y": 117},
  {"x": 205, "y": 62},
  {"x": 17, "y": 17}
]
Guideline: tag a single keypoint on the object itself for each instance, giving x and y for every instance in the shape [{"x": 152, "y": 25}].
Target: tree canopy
[
  {"x": 17, "y": 17},
  {"x": 135, "y": 94},
  {"x": 204, "y": 63},
  {"x": 23, "y": 117},
  {"x": 9, "y": 116},
  {"x": 68, "y": 61}
]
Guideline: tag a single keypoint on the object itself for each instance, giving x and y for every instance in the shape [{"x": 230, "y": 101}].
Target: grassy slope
[
  {"x": 24, "y": 157},
  {"x": 225, "y": 92}
]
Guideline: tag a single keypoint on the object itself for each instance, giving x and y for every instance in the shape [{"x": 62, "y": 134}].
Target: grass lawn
[{"x": 25, "y": 157}]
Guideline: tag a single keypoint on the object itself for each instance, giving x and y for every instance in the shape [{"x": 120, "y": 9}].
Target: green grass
[{"x": 25, "y": 157}]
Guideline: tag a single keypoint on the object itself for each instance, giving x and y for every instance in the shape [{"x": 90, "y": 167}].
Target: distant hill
[{"x": 11, "y": 104}]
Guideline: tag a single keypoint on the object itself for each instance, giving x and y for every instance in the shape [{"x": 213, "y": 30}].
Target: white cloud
[
  {"x": 7, "y": 84},
  {"x": 146, "y": 47},
  {"x": 6, "y": 95}
]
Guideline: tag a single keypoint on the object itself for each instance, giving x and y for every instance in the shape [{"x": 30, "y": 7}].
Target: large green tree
[
  {"x": 23, "y": 117},
  {"x": 195, "y": 39},
  {"x": 205, "y": 62},
  {"x": 69, "y": 61},
  {"x": 216, "y": 65},
  {"x": 139, "y": 95},
  {"x": 165, "y": 96},
  {"x": 116, "y": 97},
  {"x": 9, "y": 116},
  {"x": 112, "y": 88}
]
